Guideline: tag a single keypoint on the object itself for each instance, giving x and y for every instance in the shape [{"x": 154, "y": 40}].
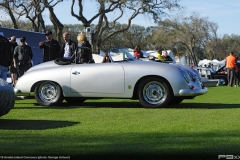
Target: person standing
[
  {"x": 85, "y": 54},
  {"x": 51, "y": 47},
  {"x": 230, "y": 65},
  {"x": 237, "y": 73},
  {"x": 5, "y": 57},
  {"x": 22, "y": 56},
  {"x": 12, "y": 69},
  {"x": 68, "y": 47}
]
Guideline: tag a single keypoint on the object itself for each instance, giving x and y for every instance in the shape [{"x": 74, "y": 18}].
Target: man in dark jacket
[
  {"x": 5, "y": 57},
  {"x": 22, "y": 56},
  {"x": 68, "y": 47},
  {"x": 51, "y": 47},
  {"x": 12, "y": 69}
]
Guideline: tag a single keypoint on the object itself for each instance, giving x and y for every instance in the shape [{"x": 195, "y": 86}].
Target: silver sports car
[{"x": 155, "y": 84}]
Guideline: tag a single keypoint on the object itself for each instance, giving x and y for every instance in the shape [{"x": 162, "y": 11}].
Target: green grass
[{"x": 205, "y": 126}]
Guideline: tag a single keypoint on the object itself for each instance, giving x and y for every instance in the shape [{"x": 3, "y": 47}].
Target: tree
[
  {"x": 8, "y": 7},
  {"x": 155, "y": 9},
  {"x": 32, "y": 10},
  {"x": 192, "y": 32},
  {"x": 135, "y": 35},
  {"x": 231, "y": 43},
  {"x": 58, "y": 26}
]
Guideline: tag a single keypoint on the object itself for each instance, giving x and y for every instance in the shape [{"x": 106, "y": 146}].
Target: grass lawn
[{"x": 204, "y": 127}]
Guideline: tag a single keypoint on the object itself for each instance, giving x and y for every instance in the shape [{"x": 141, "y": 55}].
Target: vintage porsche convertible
[{"x": 155, "y": 84}]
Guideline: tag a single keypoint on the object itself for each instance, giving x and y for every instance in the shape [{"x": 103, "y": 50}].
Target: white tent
[
  {"x": 222, "y": 63},
  {"x": 215, "y": 62},
  {"x": 204, "y": 62}
]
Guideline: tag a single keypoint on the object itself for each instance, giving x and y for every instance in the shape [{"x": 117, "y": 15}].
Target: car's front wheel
[
  {"x": 154, "y": 93},
  {"x": 48, "y": 94}
]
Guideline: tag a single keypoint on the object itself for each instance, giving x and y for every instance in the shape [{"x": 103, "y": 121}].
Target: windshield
[{"x": 120, "y": 54}]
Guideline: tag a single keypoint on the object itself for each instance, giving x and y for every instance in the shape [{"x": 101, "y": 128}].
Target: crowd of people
[
  {"x": 17, "y": 58},
  {"x": 161, "y": 55},
  {"x": 233, "y": 70}
]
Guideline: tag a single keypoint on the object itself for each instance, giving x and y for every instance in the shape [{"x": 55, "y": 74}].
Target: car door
[{"x": 97, "y": 78}]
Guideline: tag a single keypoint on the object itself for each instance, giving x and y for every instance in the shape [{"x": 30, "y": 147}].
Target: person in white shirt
[{"x": 68, "y": 47}]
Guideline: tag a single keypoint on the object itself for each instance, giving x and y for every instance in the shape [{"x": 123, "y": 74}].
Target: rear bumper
[{"x": 193, "y": 92}]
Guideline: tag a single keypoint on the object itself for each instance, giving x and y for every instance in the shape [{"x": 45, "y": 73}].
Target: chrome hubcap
[
  {"x": 47, "y": 92},
  {"x": 154, "y": 92}
]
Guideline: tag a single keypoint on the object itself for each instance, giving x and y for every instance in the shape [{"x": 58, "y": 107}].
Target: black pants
[
  {"x": 23, "y": 67},
  {"x": 231, "y": 76}
]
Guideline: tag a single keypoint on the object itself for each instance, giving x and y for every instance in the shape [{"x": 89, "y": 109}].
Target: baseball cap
[
  {"x": 22, "y": 39},
  {"x": 48, "y": 32}
]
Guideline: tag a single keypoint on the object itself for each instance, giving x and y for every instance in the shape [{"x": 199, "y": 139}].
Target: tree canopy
[{"x": 193, "y": 35}]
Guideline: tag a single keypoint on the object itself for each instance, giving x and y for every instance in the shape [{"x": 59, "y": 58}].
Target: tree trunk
[
  {"x": 57, "y": 25},
  {"x": 42, "y": 23},
  {"x": 13, "y": 19}
]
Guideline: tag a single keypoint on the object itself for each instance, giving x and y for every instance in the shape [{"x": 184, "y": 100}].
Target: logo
[{"x": 228, "y": 157}]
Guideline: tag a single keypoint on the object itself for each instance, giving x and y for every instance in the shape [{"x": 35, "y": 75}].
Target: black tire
[
  {"x": 62, "y": 61},
  {"x": 73, "y": 100},
  {"x": 154, "y": 93},
  {"x": 7, "y": 97},
  {"x": 176, "y": 100},
  {"x": 48, "y": 94}
]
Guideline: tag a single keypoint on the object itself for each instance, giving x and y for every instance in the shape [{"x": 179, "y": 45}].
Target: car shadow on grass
[
  {"x": 205, "y": 106},
  {"x": 138, "y": 105},
  {"x": 18, "y": 124},
  {"x": 133, "y": 104},
  {"x": 106, "y": 105}
]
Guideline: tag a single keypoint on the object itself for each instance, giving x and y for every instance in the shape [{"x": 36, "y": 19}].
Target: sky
[{"x": 225, "y": 13}]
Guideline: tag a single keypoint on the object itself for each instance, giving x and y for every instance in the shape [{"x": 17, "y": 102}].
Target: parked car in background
[
  {"x": 220, "y": 74},
  {"x": 154, "y": 84}
]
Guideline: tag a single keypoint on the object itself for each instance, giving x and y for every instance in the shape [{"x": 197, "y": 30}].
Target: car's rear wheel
[
  {"x": 74, "y": 99},
  {"x": 154, "y": 93},
  {"x": 48, "y": 94}
]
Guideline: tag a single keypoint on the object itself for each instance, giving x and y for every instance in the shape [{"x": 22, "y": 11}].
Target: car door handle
[{"x": 76, "y": 73}]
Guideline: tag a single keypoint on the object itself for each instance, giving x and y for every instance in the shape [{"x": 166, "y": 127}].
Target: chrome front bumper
[{"x": 193, "y": 92}]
